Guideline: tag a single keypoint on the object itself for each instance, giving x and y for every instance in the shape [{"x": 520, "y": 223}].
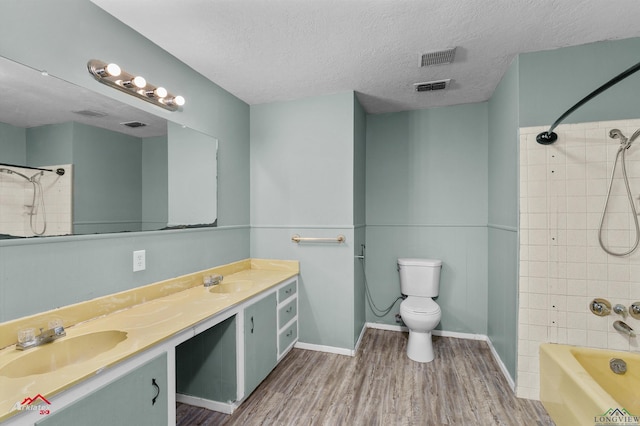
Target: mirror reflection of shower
[
  {"x": 625, "y": 144},
  {"x": 36, "y": 209}
]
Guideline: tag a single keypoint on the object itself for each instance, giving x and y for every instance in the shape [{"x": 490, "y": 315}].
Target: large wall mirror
[{"x": 108, "y": 167}]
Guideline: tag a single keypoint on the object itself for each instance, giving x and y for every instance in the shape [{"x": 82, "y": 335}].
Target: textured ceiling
[{"x": 265, "y": 51}]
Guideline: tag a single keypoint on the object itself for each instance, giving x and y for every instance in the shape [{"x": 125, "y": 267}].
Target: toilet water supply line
[{"x": 376, "y": 311}]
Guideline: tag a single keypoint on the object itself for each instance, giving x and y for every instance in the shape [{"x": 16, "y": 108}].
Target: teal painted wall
[
  {"x": 426, "y": 195},
  {"x": 64, "y": 270},
  {"x": 107, "y": 180},
  {"x": 359, "y": 215},
  {"x": 13, "y": 144},
  {"x": 192, "y": 176},
  {"x": 302, "y": 182},
  {"x": 550, "y": 82},
  {"x": 155, "y": 202},
  {"x": 108, "y": 175},
  {"x": 502, "y": 318},
  {"x": 50, "y": 144}
]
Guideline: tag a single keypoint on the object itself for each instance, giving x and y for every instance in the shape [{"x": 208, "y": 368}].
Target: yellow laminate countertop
[{"x": 148, "y": 314}]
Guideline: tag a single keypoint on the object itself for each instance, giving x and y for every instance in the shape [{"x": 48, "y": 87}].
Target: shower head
[
  {"x": 617, "y": 134},
  {"x": 624, "y": 142}
]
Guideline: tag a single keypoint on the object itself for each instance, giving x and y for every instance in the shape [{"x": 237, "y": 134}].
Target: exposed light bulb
[
  {"x": 111, "y": 70},
  {"x": 179, "y": 100},
  {"x": 138, "y": 82},
  {"x": 176, "y": 100},
  {"x": 158, "y": 92}
]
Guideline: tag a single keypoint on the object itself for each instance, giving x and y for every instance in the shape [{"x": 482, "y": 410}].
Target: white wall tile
[{"x": 563, "y": 189}]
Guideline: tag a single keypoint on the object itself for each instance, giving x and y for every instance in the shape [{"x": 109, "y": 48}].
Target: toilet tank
[{"x": 419, "y": 277}]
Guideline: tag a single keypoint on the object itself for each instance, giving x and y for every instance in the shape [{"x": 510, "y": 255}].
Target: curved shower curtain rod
[
  {"x": 59, "y": 171},
  {"x": 549, "y": 137}
]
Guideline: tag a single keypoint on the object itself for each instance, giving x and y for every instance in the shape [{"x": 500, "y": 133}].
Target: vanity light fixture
[{"x": 112, "y": 75}]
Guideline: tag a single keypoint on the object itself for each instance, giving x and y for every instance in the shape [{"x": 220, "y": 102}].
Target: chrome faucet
[
  {"x": 45, "y": 336},
  {"x": 634, "y": 310},
  {"x": 624, "y": 328},
  {"x": 600, "y": 307},
  {"x": 621, "y": 310},
  {"x": 212, "y": 280}
]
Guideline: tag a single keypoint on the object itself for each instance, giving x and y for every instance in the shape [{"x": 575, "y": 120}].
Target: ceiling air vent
[
  {"x": 437, "y": 58},
  {"x": 133, "y": 124},
  {"x": 90, "y": 113},
  {"x": 430, "y": 86}
]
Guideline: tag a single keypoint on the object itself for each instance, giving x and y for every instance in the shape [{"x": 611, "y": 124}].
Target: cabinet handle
[
  {"x": 155, "y": 385},
  {"x": 251, "y": 325},
  {"x": 290, "y": 309},
  {"x": 288, "y": 291},
  {"x": 290, "y": 333}
]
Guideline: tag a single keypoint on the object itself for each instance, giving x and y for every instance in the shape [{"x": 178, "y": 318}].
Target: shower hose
[{"x": 625, "y": 144}]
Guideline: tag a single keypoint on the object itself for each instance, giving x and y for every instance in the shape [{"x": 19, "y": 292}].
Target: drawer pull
[
  {"x": 290, "y": 333},
  {"x": 288, "y": 291},
  {"x": 290, "y": 309}
]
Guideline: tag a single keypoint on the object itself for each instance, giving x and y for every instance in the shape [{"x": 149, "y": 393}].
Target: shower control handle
[
  {"x": 600, "y": 307},
  {"x": 634, "y": 310}
]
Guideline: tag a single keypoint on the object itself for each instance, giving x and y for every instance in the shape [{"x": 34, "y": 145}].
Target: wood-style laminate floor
[{"x": 381, "y": 386}]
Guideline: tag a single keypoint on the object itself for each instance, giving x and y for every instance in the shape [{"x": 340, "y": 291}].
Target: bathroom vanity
[{"x": 206, "y": 346}]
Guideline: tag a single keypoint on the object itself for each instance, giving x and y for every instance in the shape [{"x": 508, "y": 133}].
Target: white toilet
[{"x": 420, "y": 281}]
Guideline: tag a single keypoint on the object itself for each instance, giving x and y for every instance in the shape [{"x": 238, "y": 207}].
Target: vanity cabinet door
[
  {"x": 260, "y": 333},
  {"x": 138, "y": 398}
]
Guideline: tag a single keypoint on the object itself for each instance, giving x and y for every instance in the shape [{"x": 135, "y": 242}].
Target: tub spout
[{"x": 624, "y": 328}]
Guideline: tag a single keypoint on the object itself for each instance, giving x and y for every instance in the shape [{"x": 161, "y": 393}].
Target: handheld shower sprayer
[
  {"x": 624, "y": 145},
  {"x": 617, "y": 134}
]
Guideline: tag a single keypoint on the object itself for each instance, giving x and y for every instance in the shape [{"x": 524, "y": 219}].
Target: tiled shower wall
[
  {"x": 563, "y": 188},
  {"x": 16, "y": 193}
]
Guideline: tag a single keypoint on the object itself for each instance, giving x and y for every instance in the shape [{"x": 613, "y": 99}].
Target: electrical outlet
[{"x": 139, "y": 261}]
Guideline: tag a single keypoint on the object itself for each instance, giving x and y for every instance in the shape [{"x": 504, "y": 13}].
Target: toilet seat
[{"x": 420, "y": 305}]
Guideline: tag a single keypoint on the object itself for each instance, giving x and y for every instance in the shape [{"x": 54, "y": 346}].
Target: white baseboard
[
  {"x": 222, "y": 407},
  {"x": 386, "y": 326},
  {"x": 457, "y": 335},
  {"x": 503, "y": 367},
  {"x": 323, "y": 348},
  {"x": 364, "y": 329}
]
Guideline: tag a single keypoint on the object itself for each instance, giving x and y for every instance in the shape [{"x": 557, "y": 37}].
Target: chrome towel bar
[{"x": 298, "y": 239}]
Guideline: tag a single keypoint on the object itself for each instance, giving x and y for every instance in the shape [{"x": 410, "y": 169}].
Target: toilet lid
[{"x": 421, "y": 305}]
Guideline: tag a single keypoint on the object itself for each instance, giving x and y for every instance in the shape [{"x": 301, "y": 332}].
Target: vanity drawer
[
  {"x": 287, "y": 291},
  {"x": 287, "y": 337},
  {"x": 287, "y": 312}
]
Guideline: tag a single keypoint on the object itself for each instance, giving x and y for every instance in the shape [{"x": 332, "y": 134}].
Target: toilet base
[{"x": 420, "y": 347}]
